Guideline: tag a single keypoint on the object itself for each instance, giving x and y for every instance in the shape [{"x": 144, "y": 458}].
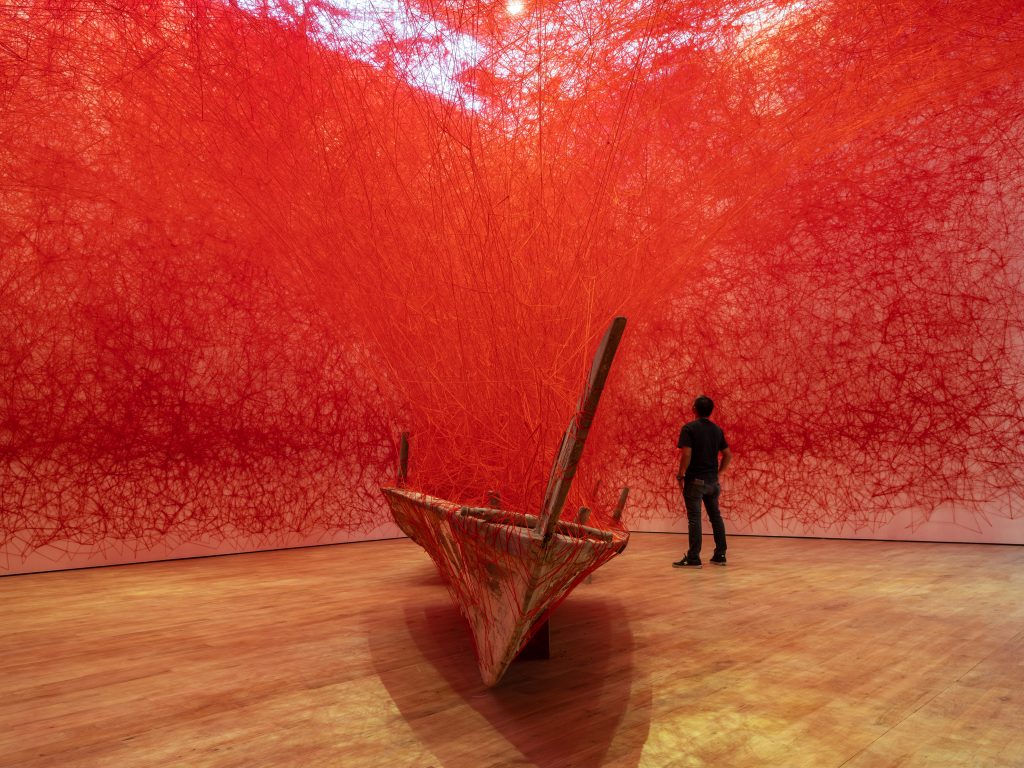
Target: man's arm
[
  {"x": 684, "y": 462},
  {"x": 726, "y": 458}
]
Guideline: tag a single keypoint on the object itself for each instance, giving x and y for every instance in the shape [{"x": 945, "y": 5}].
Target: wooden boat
[{"x": 508, "y": 571}]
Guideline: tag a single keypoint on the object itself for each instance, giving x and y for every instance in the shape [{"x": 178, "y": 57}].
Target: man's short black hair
[{"x": 703, "y": 405}]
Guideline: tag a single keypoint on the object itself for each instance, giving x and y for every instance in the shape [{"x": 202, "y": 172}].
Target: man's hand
[
  {"x": 684, "y": 462},
  {"x": 726, "y": 458}
]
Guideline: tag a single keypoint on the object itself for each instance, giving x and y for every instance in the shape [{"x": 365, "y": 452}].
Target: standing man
[{"x": 701, "y": 441}]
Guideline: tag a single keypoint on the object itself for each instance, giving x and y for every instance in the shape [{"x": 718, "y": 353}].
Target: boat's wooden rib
[{"x": 508, "y": 570}]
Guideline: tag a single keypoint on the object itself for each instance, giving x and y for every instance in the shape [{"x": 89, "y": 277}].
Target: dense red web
[{"x": 244, "y": 245}]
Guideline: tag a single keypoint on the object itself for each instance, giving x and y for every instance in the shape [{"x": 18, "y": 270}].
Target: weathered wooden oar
[{"x": 575, "y": 437}]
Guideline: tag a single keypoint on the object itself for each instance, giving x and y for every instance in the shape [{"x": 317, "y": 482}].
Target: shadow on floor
[{"x": 586, "y": 706}]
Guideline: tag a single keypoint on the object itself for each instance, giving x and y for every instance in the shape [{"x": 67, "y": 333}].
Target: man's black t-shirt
[{"x": 705, "y": 439}]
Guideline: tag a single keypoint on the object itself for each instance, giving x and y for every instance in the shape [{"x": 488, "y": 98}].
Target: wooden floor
[{"x": 799, "y": 653}]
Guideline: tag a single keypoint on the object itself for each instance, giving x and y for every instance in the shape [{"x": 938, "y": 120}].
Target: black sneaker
[
  {"x": 718, "y": 559},
  {"x": 686, "y": 562}
]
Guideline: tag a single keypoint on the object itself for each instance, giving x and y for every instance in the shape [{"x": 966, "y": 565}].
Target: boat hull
[{"x": 504, "y": 576}]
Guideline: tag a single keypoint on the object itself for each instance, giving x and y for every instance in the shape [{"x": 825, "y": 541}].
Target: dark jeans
[{"x": 693, "y": 492}]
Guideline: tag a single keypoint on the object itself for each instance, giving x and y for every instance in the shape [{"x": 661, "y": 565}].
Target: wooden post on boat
[
  {"x": 582, "y": 517},
  {"x": 617, "y": 514},
  {"x": 575, "y": 436},
  {"x": 403, "y": 459}
]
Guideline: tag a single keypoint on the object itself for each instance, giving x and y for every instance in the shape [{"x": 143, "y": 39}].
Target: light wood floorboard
[{"x": 799, "y": 653}]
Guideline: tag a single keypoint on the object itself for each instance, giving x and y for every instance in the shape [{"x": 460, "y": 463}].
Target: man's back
[{"x": 705, "y": 439}]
